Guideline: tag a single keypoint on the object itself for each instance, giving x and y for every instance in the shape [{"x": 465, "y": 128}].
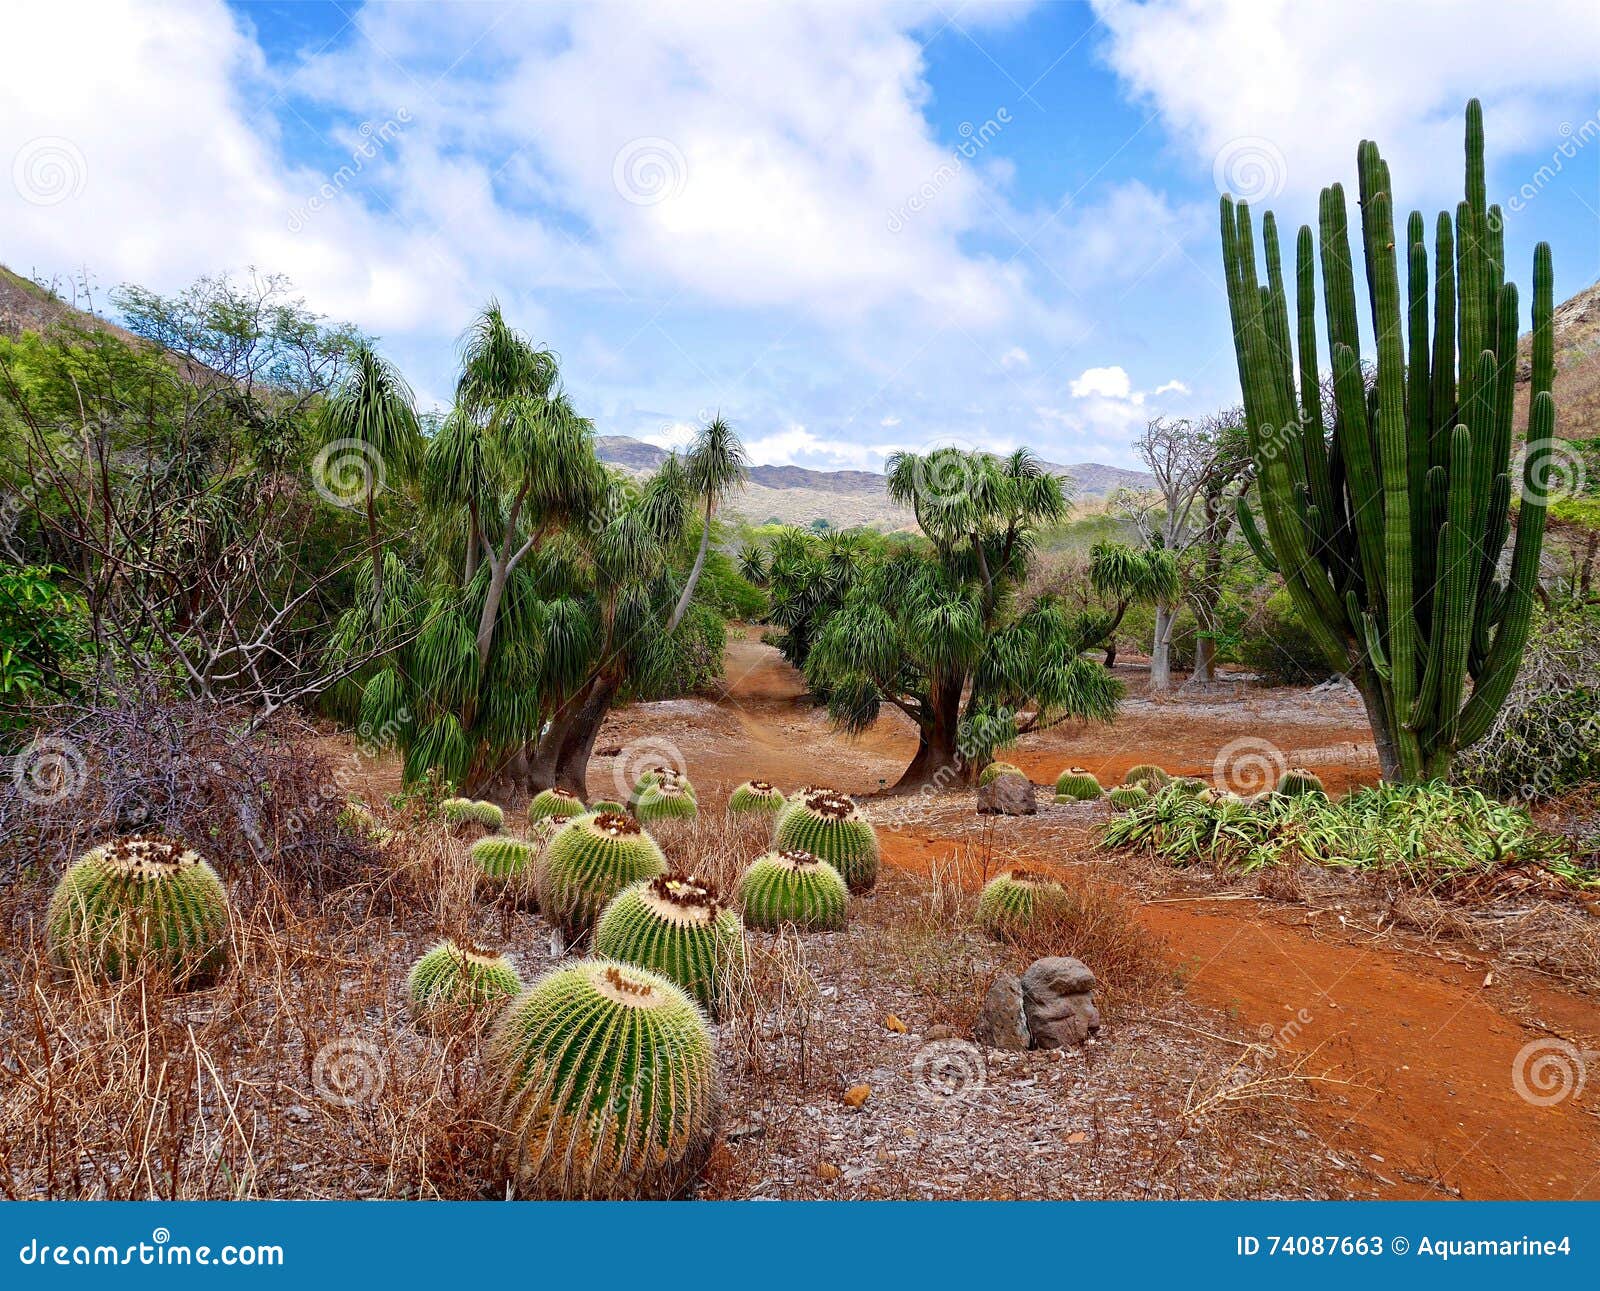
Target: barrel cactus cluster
[
  {"x": 458, "y": 977},
  {"x": 995, "y": 770},
  {"x": 556, "y": 803},
  {"x": 665, "y": 800},
  {"x": 591, "y": 859},
  {"x": 1389, "y": 531},
  {"x": 458, "y": 812},
  {"x": 139, "y": 905},
  {"x": 755, "y": 797},
  {"x": 793, "y": 887},
  {"x": 1011, "y": 901},
  {"x": 829, "y": 825},
  {"x": 676, "y": 925},
  {"x": 509, "y": 865},
  {"x": 1125, "y": 797},
  {"x": 1077, "y": 784},
  {"x": 604, "y": 1081},
  {"x": 660, "y": 775},
  {"x": 1148, "y": 776},
  {"x": 1296, "y": 781}
]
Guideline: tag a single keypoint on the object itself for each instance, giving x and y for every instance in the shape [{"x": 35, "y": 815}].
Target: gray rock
[
  {"x": 1007, "y": 795},
  {"x": 1002, "y": 1024},
  {"x": 1058, "y": 1002}
]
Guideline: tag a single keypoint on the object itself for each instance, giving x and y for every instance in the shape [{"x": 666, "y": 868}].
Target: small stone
[
  {"x": 939, "y": 1031},
  {"x": 1003, "y": 1024},
  {"x": 827, "y": 1170},
  {"x": 1010, "y": 794},
  {"x": 1077, "y": 1136},
  {"x": 1058, "y": 1002},
  {"x": 856, "y": 1095}
]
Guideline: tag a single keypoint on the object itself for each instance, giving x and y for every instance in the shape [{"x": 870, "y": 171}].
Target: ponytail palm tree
[
  {"x": 715, "y": 467},
  {"x": 1128, "y": 576}
]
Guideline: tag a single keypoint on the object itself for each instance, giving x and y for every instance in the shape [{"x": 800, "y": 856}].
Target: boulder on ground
[
  {"x": 1002, "y": 1024},
  {"x": 1058, "y": 1002},
  {"x": 1009, "y": 794}
]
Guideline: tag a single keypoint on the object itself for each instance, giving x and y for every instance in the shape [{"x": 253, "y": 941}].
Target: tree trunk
[
  {"x": 694, "y": 574},
  {"x": 1161, "y": 650},
  {"x": 1205, "y": 653},
  {"x": 938, "y": 761},
  {"x": 373, "y": 549},
  {"x": 572, "y": 763},
  {"x": 547, "y": 752},
  {"x": 1378, "y": 718}
]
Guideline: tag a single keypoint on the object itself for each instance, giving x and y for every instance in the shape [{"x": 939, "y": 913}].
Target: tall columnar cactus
[
  {"x": 457, "y": 812},
  {"x": 558, "y": 803},
  {"x": 604, "y": 1081},
  {"x": 664, "y": 801},
  {"x": 1011, "y": 901},
  {"x": 793, "y": 887},
  {"x": 832, "y": 828},
  {"x": 755, "y": 797},
  {"x": 1077, "y": 784},
  {"x": 1389, "y": 533},
  {"x": 675, "y": 925},
  {"x": 456, "y": 976},
  {"x": 140, "y": 904},
  {"x": 589, "y": 861},
  {"x": 995, "y": 770}
]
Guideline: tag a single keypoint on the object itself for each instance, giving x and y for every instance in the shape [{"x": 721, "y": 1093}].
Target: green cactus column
[{"x": 1389, "y": 531}]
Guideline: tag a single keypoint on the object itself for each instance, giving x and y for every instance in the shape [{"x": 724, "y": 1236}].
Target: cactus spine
[
  {"x": 1389, "y": 534},
  {"x": 136, "y": 904},
  {"x": 604, "y": 1081},
  {"x": 591, "y": 859},
  {"x": 454, "y": 976},
  {"x": 1010, "y": 901},
  {"x": 510, "y": 864},
  {"x": 1076, "y": 784},
  {"x": 793, "y": 887},
  {"x": 832, "y": 828},
  {"x": 755, "y": 796},
  {"x": 676, "y": 926},
  {"x": 557, "y": 803}
]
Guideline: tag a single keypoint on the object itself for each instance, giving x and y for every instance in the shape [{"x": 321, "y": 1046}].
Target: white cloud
[
  {"x": 1305, "y": 83},
  {"x": 797, "y": 446},
  {"x": 1015, "y": 357},
  {"x": 1106, "y": 411},
  {"x": 1111, "y": 383},
  {"x": 889, "y": 422},
  {"x": 1170, "y": 387}
]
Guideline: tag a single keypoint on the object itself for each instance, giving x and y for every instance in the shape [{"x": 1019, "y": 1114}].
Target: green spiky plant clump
[
  {"x": 470, "y": 811},
  {"x": 755, "y": 796},
  {"x": 1147, "y": 774},
  {"x": 1297, "y": 780},
  {"x": 1191, "y": 784},
  {"x": 1076, "y": 784},
  {"x": 140, "y": 904},
  {"x": 1389, "y": 532},
  {"x": 1011, "y": 901},
  {"x": 459, "y": 977},
  {"x": 832, "y": 828},
  {"x": 665, "y": 801},
  {"x": 607, "y": 806},
  {"x": 793, "y": 887},
  {"x": 511, "y": 864},
  {"x": 659, "y": 775},
  {"x": 1127, "y": 796},
  {"x": 590, "y": 860},
  {"x": 558, "y": 803},
  {"x": 604, "y": 1079},
  {"x": 995, "y": 770},
  {"x": 675, "y": 925}
]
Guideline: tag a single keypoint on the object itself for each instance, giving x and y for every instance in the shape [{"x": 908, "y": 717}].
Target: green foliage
[
  {"x": 793, "y": 887},
  {"x": 1297, "y": 780},
  {"x": 995, "y": 770},
  {"x": 1389, "y": 536},
  {"x": 1078, "y": 784},
  {"x": 452, "y": 978},
  {"x": 1148, "y": 775},
  {"x": 604, "y": 1079},
  {"x": 43, "y": 639},
  {"x": 675, "y": 925},
  {"x": 1011, "y": 901},
  {"x": 1278, "y": 647},
  {"x": 470, "y": 811},
  {"x": 755, "y": 797},
  {"x": 664, "y": 801},
  {"x": 832, "y": 828},
  {"x": 591, "y": 859},
  {"x": 140, "y": 904},
  {"x": 1127, "y": 796},
  {"x": 555, "y": 802}
]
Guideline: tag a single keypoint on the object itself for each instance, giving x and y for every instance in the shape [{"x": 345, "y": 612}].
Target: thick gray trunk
[{"x": 1161, "y": 650}]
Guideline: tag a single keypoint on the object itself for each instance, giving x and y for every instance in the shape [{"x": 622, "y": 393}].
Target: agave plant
[
  {"x": 590, "y": 860},
  {"x": 832, "y": 828},
  {"x": 454, "y": 977},
  {"x": 555, "y": 802},
  {"x": 138, "y": 904},
  {"x": 604, "y": 1080},
  {"x": 676, "y": 925},
  {"x": 755, "y": 797},
  {"x": 793, "y": 887}
]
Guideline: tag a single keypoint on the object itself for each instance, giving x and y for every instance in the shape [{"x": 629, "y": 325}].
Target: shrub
[
  {"x": 454, "y": 977},
  {"x": 591, "y": 859},
  {"x": 605, "y": 1084},
  {"x": 675, "y": 925},
  {"x": 137, "y": 904},
  {"x": 793, "y": 887},
  {"x": 1077, "y": 784},
  {"x": 664, "y": 801},
  {"x": 832, "y": 828},
  {"x": 1011, "y": 900},
  {"x": 559, "y": 803},
  {"x": 1277, "y": 646},
  {"x": 755, "y": 796}
]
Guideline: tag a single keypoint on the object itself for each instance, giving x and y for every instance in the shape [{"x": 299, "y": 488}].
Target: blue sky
[{"x": 850, "y": 228}]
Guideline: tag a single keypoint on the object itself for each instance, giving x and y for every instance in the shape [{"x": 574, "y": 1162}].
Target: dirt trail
[{"x": 1429, "y": 1049}]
